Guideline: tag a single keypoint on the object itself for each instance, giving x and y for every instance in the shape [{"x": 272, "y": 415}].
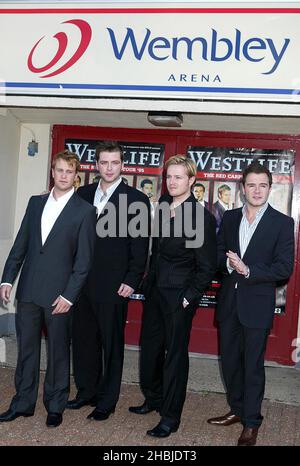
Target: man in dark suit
[
  {"x": 55, "y": 245},
  {"x": 199, "y": 191},
  {"x": 222, "y": 204},
  {"x": 256, "y": 249},
  {"x": 118, "y": 267},
  {"x": 183, "y": 262}
]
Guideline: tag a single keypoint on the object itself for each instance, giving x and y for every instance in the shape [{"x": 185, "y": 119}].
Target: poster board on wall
[{"x": 219, "y": 172}]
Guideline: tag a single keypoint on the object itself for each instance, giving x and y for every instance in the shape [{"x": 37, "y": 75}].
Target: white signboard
[{"x": 153, "y": 52}]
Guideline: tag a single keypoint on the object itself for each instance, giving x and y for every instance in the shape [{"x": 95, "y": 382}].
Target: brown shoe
[
  {"x": 226, "y": 420},
  {"x": 248, "y": 436}
]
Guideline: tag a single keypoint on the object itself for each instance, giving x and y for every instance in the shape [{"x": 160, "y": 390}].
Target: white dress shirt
[
  {"x": 51, "y": 212},
  {"x": 102, "y": 197},
  {"x": 246, "y": 231}
]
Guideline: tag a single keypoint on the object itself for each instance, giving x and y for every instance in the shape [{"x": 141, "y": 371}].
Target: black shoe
[
  {"x": 78, "y": 403},
  {"x": 54, "y": 419},
  {"x": 10, "y": 415},
  {"x": 142, "y": 409},
  {"x": 248, "y": 437},
  {"x": 99, "y": 415},
  {"x": 162, "y": 430}
]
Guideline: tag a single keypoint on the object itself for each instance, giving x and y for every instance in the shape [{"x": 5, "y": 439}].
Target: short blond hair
[
  {"x": 185, "y": 161},
  {"x": 69, "y": 157}
]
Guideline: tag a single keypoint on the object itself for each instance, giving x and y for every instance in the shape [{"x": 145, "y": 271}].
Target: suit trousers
[
  {"x": 242, "y": 358},
  {"x": 30, "y": 319},
  {"x": 164, "y": 362},
  {"x": 98, "y": 350}
]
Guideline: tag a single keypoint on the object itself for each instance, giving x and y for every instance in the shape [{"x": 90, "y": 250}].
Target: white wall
[
  {"x": 9, "y": 160},
  {"x": 33, "y": 171},
  {"x": 21, "y": 176}
]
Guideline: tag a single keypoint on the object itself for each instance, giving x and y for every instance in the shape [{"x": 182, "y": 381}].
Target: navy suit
[
  {"x": 246, "y": 305},
  {"x": 58, "y": 267}
]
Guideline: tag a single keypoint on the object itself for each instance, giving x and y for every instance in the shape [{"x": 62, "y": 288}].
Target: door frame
[
  {"x": 279, "y": 347},
  {"x": 204, "y": 332}
]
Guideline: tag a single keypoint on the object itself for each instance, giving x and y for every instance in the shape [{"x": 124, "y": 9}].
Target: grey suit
[{"x": 59, "y": 267}]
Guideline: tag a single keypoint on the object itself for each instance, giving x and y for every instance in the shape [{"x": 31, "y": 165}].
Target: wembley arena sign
[{"x": 182, "y": 53}]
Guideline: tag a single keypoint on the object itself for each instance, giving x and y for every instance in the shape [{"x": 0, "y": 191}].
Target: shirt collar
[
  {"x": 226, "y": 206},
  {"x": 111, "y": 189},
  {"x": 259, "y": 212},
  {"x": 63, "y": 198}
]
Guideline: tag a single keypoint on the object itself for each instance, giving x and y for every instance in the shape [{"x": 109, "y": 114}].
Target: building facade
[{"x": 221, "y": 81}]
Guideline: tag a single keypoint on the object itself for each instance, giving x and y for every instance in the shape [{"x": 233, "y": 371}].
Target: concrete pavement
[{"x": 205, "y": 398}]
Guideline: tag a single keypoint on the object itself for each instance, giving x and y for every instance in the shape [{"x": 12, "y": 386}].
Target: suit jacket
[
  {"x": 119, "y": 259},
  {"x": 218, "y": 212},
  {"x": 61, "y": 265},
  {"x": 270, "y": 257},
  {"x": 173, "y": 264},
  {"x": 206, "y": 205}
]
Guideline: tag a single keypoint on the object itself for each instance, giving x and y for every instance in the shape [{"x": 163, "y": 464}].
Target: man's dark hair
[
  {"x": 199, "y": 185},
  {"x": 109, "y": 146},
  {"x": 257, "y": 168},
  {"x": 146, "y": 181}
]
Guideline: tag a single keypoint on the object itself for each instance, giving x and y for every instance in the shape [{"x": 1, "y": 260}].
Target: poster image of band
[
  {"x": 220, "y": 169},
  {"x": 79, "y": 180},
  {"x": 223, "y": 199},
  {"x": 149, "y": 185},
  {"x": 142, "y": 162},
  {"x": 93, "y": 177},
  {"x": 128, "y": 179},
  {"x": 201, "y": 192}
]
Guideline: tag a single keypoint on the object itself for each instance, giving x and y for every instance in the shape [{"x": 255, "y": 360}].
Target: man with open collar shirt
[
  {"x": 255, "y": 250},
  {"x": 117, "y": 269}
]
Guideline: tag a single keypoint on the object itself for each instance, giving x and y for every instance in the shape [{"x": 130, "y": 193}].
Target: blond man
[
  {"x": 182, "y": 265},
  {"x": 55, "y": 246}
]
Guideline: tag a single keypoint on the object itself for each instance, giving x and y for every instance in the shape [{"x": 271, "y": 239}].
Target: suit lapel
[
  {"x": 260, "y": 232},
  {"x": 237, "y": 231},
  {"x": 91, "y": 193},
  {"x": 121, "y": 189},
  {"x": 63, "y": 219},
  {"x": 114, "y": 198},
  {"x": 40, "y": 209},
  {"x": 162, "y": 240}
]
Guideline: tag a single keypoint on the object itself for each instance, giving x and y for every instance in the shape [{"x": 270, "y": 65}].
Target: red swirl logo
[{"x": 62, "y": 39}]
